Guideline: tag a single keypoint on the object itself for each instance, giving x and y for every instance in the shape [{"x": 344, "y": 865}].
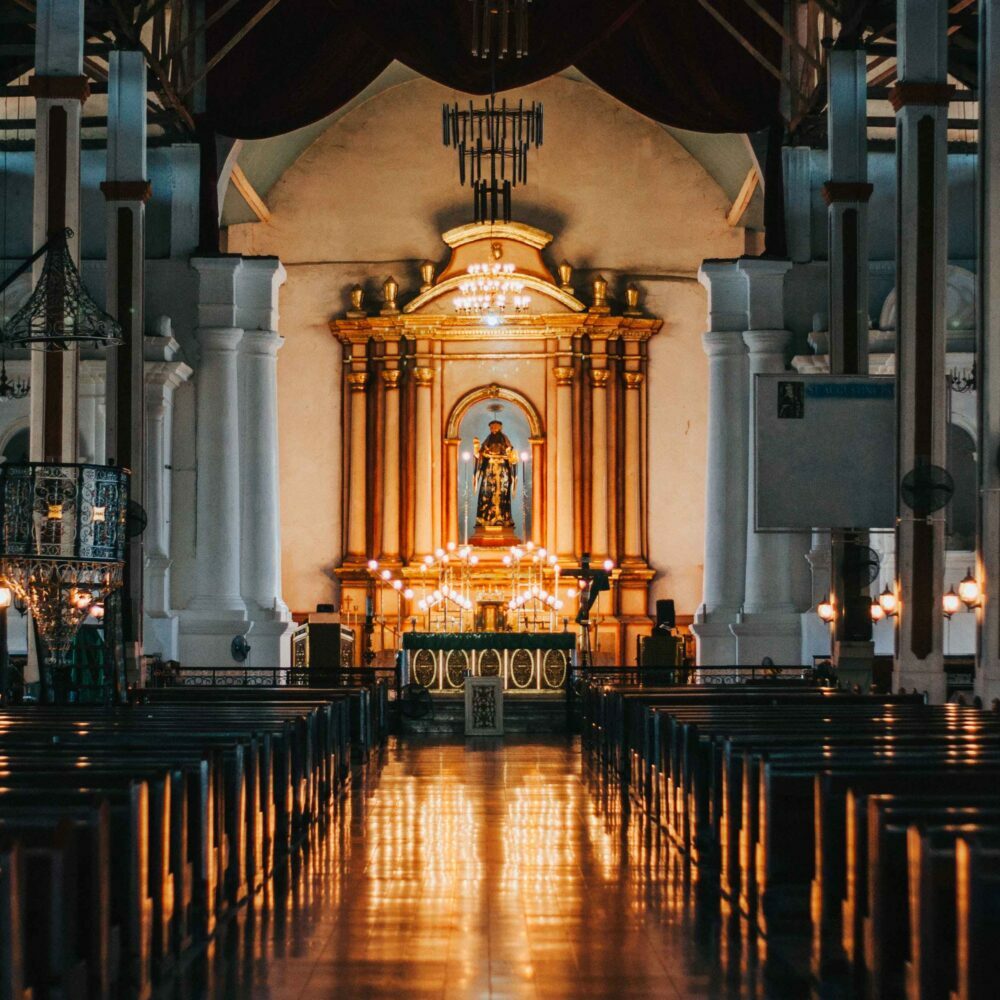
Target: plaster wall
[{"x": 371, "y": 196}]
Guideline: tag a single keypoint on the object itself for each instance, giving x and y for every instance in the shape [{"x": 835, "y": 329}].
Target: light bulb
[
  {"x": 451, "y": 546},
  {"x": 386, "y": 575},
  {"x": 397, "y": 584},
  {"x": 877, "y": 611},
  {"x": 608, "y": 565},
  {"x": 373, "y": 564},
  {"x": 825, "y": 610},
  {"x": 888, "y": 601},
  {"x": 969, "y": 590},
  {"x": 950, "y": 603}
]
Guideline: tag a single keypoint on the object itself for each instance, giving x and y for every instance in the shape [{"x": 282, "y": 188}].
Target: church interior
[{"x": 499, "y": 499}]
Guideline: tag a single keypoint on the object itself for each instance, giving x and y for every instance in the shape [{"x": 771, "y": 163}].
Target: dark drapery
[{"x": 668, "y": 59}]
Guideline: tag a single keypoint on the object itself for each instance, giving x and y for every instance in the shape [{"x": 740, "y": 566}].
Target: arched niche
[{"x": 528, "y": 520}]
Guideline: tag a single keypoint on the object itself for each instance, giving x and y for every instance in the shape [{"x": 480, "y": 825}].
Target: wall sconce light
[
  {"x": 97, "y": 612},
  {"x": 950, "y": 603},
  {"x": 6, "y": 597},
  {"x": 888, "y": 602},
  {"x": 877, "y": 611},
  {"x": 969, "y": 591},
  {"x": 825, "y": 610}
]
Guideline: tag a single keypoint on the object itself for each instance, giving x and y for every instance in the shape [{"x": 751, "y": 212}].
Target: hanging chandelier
[
  {"x": 492, "y": 144},
  {"x": 62, "y": 543},
  {"x": 496, "y": 16},
  {"x": 11, "y": 389},
  {"x": 59, "y": 312},
  {"x": 491, "y": 290}
]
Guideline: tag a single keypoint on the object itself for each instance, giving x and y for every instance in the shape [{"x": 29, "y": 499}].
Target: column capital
[
  {"x": 140, "y": 191},
  {"x": 59, "y": 88},
  {"x": 723, "y": 343},
  {"x": 357, "y": 381},
  {"x": 763, "y": 342},
  {"x": 218, "y": 338},
  {"x": 563, "y": 375},
  {"x": 423, "y": 376},
  {"x": 920, "y": 93},
  {"x": 391, "y": 376},
  {"x": 261, "y": 342},
  {"x": 599, "y": 378},
  {"x": 633, "y": 380},
  {"x": 765, "y": 303},
  {"x": 727, "y": 293}
]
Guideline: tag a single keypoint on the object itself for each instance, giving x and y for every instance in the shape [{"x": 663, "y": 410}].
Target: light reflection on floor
[{"x": 488, "y": 869}]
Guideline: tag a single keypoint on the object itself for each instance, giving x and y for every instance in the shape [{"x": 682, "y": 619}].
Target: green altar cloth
[{"x": 489, "y": 640}]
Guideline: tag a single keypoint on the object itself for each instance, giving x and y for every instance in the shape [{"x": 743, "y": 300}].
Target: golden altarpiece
[{"x": 424, "y": 385}]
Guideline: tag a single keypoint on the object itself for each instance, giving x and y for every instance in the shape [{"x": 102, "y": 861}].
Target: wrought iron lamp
[
  {"x": 11, "y": 389},
  {"x": 62, "y": 546},
  {"x": 492, "y": 143},
  {"x": 59, "y": 312},
  {"x": 499, "y": 14}
]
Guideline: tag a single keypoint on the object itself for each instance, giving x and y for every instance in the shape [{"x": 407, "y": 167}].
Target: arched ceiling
[{"x": 727, "y": 158}]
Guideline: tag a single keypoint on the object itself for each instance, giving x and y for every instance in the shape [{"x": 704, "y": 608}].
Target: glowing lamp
[
  {"x": 876, "y": 611},
  {"x": 609, "y": 565},
  {"x": 6, "y": 597},
  {"x": 473, "y": 560},
  {"x": 888, "y": 602},
  {"x": 452, "y": 546},
  {"x": 825, "y": 610},
  {"x": 466, "y": 456},
  {"x": 422, "y": 604},
  {"x": 439, "y": 553},
  {"x": 97, "y": 611},
  {"x": 507, "y": 560},
  {"x": 408, "y": 594},
  {"x": 55, "y": 511},
  {"x": 428, "y": 560},
  {"x": 558, "y": 605},
  {"x": 81, "y": 599},
  {"x": 397, "y": 584},
  {"x": 525, "y": 456},
  {"x": 373, "y": 564},
  {"x": 386, "y": 575},
  {"x": 950, "y": 603},
  {"x": 969, "y": 591},
  {"x": 552, "y": 560}
]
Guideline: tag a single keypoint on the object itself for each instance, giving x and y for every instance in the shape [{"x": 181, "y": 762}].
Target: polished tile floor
[{"x": 484, "y": 869}]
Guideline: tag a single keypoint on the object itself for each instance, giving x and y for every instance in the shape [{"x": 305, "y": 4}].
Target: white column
[
  {"x": 726, "y": 484},
  {"x": 633, "y": 469},
  {"x": 91, "y": 412},
  {"x": 423, "y": 536},
  {"x": 390, "y": 476},
  {"x": 988, "y": 357},
  {"x": 798, "y": 202},
  {"x": 564, "y": 462},
  {"x": 357, "y": 542},
  {"x": 217, "y": 588},
  {"x": 921, "y": 102},
  {"x": 261, "y": 520},
  {"x": 60, "y": 89},
  {"x": 599, "y": 548},
  {"x": 769, "y": 625}
]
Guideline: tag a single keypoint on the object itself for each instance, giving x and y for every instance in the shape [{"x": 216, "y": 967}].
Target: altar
[
  {"x": 496, "y": 437},
  {"x": 528, "y": 663}
]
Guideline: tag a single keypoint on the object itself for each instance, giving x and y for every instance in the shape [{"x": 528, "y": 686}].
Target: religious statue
[{"x": 495, "y": 479}]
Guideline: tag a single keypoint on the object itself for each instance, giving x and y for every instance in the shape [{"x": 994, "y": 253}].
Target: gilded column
[
  {"x": 537, "y": 488},
  {"x": 390, "y": 455},
  {"x": 423, "y": 522},
  {"x": 357, "y": 489},
  {"x": 633, "y": 474},
  {"x": 564, "y": 462},
  {"x": 599, "y": 464}
]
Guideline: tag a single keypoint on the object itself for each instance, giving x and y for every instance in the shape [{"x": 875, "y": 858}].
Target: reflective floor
[{"x": 485, "y": 869}]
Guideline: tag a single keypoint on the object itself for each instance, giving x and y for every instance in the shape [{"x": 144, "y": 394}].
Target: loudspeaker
[{"x": 665, "y": 617}]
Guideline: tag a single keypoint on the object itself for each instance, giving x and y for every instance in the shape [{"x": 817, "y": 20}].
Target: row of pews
[
  {"x": 128, "y": 834},
  {"x": 865, "y": 827}
]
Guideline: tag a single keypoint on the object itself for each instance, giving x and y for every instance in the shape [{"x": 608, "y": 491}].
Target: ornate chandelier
[
  {"x": 491, "y": 290},
  {"x": 10, "y": 389},
  {"x": 62, "y": 543},
  {"x": 492, "y": 144},
  {"x": 499, "y": 13}
]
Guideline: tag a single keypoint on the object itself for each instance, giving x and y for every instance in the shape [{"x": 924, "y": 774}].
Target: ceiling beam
[
  {"x": 742, "y": 202},
  {"x": 254, "y": 201}
]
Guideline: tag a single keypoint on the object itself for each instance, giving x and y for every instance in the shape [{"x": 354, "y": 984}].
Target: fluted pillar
[
  {"x": 358, "y": 476},
  {"x": 599, "y": 548},
  {"x": 564, "y": 462},
  {"x": 218, "y": 497},
  {"x": 633, "y": 470},
  {"x": 726, "y": 482},
  {"x": 261, "y": 563},
  {"x": 390, "y": 454},
  {"x": 921, "y": 99},
  {"x": 423, "y": 535}
]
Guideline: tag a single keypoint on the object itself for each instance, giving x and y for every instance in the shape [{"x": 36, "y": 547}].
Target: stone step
[{"x": 521, "y": 714}]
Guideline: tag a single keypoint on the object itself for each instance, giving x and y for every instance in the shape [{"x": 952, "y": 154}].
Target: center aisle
[{"x": 481, "y": 870}]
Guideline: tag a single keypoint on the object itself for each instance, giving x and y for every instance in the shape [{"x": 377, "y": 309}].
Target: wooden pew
[{"x": 977, "y": 957}]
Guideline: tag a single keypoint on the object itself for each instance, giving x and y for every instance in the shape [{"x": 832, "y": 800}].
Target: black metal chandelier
[
  {"x": 491, "y": 17},
  {"x": 492, "y": 143},
  {"x": 11, "y": 388},
  {"x": 59, "y": 312}
]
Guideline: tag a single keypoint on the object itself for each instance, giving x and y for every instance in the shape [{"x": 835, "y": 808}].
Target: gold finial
[
  {"x": 496, "y": 248},
  {"x": 565, "y": 275},
  {"x": 600, "y": 287},
  {"x": 632, "y": 300},
  {"x": 357, "y": 302},
  {"x": 390, "y": 289},
  {"x": 427, "y": 275}
]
